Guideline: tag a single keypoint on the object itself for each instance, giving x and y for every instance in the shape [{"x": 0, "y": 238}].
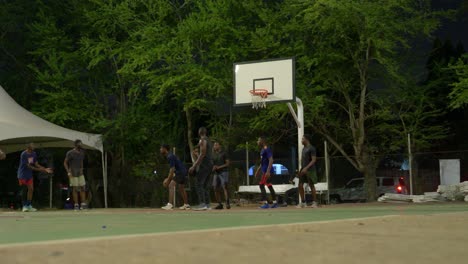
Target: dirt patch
[{"x": 392, "y": 239}]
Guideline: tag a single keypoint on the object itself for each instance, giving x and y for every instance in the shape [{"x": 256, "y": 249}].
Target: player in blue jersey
[
  {"x": 266, "y": 167},
  {"x": 177, "y": 175},
  {"x": 28, "y": 164}
]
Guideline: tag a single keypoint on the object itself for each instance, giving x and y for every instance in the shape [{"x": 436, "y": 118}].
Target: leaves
[
  {"x": 142, "y": 72},
  {"x": 459, "y": 94}
]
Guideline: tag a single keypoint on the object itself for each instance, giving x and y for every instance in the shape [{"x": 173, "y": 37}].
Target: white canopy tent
[{"x": 19, "y": 126}]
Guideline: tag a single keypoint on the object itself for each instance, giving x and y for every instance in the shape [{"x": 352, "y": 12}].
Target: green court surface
[{"x": 16, "y": 227}]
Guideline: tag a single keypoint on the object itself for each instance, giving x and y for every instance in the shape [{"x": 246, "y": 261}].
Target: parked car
[{"x": 354, "y": 189}]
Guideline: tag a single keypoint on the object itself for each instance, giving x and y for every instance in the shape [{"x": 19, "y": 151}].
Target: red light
[
  {"x": 399, "y": 188},
  {"x": 401, "y": 178}
]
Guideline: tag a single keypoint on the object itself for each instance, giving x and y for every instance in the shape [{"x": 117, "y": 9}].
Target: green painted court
[{"x": 17, "y": 227}]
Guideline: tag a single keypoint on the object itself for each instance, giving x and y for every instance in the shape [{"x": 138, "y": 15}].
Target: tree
[
  {"x": 146, "y": 72},
  {"x": 195, "y": 63},
  {"x": 78, "y": 59},
  {"x": 350, "y": 52},
  {"x": 459, "y": 94},
  {"x": 15, "y": 43},
  {"x": 139, "y": 71}
]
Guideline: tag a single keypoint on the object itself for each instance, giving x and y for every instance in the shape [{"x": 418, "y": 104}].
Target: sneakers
[
  {"x": 185, "y": 207},
  {"x": 201, "y": 207},
  {"x": 275, "y": 205},
  {"x": 314, "y": 204},
  {"x": 29, "y": 208},
  {"x": 219, "y": 207},
  {"x": 78, "y": 207},
  {"x": 301, "y": 205},
  {"x": 168, "y": 207},
  {"x": 265, "y": 206}
]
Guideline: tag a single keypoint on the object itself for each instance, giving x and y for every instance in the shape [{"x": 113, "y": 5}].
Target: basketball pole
[{"x": 299, "y": 118}]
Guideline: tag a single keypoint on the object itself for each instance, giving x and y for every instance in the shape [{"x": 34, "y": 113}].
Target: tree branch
[{"x": 355, "y": 163}]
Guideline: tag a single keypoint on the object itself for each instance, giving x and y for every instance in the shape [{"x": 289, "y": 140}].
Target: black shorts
[{"x": 180, "y": 178}]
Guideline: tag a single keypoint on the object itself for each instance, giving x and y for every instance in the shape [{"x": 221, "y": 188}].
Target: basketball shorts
[
  {"x": 220, "y": 179},
  {"x": 180, "y": 178},
  {"x": 25, "y": 182},
  {"x": 77, "y": 181},
  {"x": 265, "y": 181},
  {"x": 310, "y": 177}
]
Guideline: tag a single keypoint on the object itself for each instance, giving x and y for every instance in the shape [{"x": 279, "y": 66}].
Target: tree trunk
[
  {"x": 370, "y": 185},
  {"x": 370, "y": 178}
]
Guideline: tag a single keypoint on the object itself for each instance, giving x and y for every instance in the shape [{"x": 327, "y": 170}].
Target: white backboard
[{"x": 276, "y": 76}]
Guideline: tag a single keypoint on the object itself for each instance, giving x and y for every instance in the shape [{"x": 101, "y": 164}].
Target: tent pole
[
  {"x": 107, "y": 181},
  {"x": 174, "y": 152},
  {"x": 103, "y": 170},
  {"x": 104, "y": 176},
  {"x": 51, "y": 179}
]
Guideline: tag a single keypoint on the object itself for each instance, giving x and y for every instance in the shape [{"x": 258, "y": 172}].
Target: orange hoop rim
[{"x": 259, "y": 92}]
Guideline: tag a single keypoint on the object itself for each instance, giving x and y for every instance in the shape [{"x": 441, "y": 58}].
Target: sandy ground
[{"x": 391, "y": 239}]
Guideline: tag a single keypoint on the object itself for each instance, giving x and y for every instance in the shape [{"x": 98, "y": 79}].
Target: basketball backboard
[{"x": 276, "y": 76}]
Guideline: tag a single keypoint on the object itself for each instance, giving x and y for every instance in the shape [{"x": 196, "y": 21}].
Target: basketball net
[{"x": 259, "y": 97}]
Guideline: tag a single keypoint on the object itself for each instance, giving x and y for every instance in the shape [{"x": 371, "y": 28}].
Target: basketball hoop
[{"x": 259, "y": 97}]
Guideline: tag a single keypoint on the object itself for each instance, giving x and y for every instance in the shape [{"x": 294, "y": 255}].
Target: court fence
[{"x": 144, "y": 189}]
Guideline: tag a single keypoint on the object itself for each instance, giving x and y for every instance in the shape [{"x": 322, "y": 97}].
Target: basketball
[{"x": 165, "y": 182}]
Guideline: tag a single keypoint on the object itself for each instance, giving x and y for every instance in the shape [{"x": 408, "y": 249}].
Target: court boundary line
[{"x": 155, "y": 234}]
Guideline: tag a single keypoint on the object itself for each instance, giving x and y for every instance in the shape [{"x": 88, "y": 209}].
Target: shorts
[
  {"x": 265, "y": 181},
  {"x": 77, "y": 181},
  {"x": 25, "y": 182},
  {"x": 220, "y": 179},
  {"x": 180, "y": 178},
  {"x": 310, "y": 177}
]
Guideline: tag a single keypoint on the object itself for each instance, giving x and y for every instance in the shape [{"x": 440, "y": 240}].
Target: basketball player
[
  {"x": 73, "y": 164},
  {"x": 266, "y": 165},
  {"x": 205, "y": 167},
  {"x": 221, "y": 175},
  {"x": 177, "y": 175},
  {"x": 28, "y": 164},
  {"x": 308, "y": 171}
]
